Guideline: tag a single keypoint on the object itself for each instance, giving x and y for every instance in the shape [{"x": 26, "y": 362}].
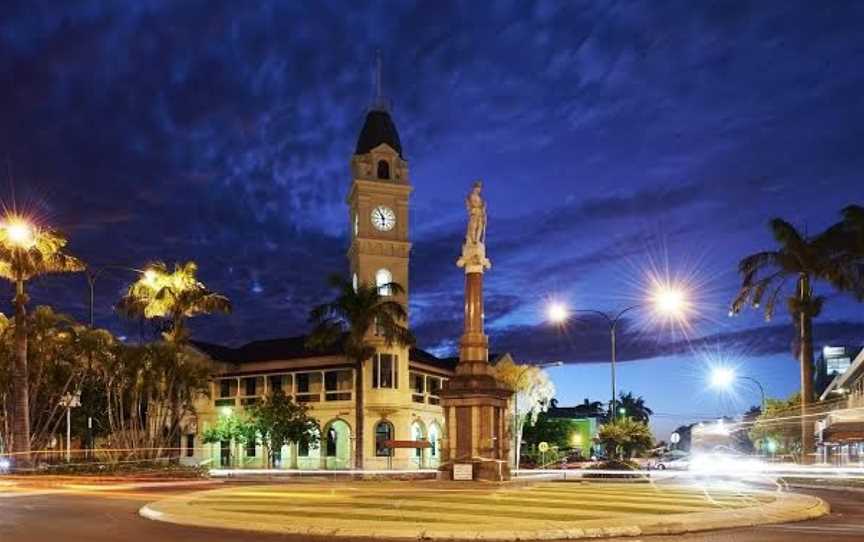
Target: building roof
[
  {"x": 292, "y": 348},
  {"x": 574, "y": 412},
  {"x": 377, "y": 129}
]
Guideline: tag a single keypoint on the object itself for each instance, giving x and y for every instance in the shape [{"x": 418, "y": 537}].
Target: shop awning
[{"x": 844, "y": 432}]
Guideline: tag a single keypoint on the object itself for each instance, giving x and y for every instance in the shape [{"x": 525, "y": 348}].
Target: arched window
[
  {"x": 434, "y": 435},
  {"x": 331, "y": 442},
  {"x": 383, "y": 169},
  {"x": 383, "y": 433},
  {"x": 417, "y": 434},
  {"x": 355, "y": 282},
  {"x": 383, "y": 278}
]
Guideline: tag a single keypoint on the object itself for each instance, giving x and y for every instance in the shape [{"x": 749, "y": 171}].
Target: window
[
  {"x": 337, "y": 385},
  {"x": 275, "y": 383},
  {"x": 224, "y": 388},
  {"x": 383, "y": 433},
  {"x": 356, "y": 224},
  {"x": 383, "y": 278},
  {"x": 417, "y": 434},
  {"x": 355, "y": 282},
  {"x": 303, "y": 383},
  {"x": 250, "y": 447},
  {"x": 331, "y": 442},
  {"x": 418, "y": 382},
  {"x": 385, "y": 371},
  {"x": 303, "y": 448},
  {"x": 250, "y": 385},
  {"x": 383, "y": 169},
  {"x": 418, "y": 387},
  {"x": 433, "y": 441},
  {"x": 190, "y": 445}
]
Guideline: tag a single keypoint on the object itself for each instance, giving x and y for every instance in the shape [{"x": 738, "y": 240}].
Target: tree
[
  {"x": 777, "y": 430},
  {"x": 554, "y": 431},
  {"x": 150, "y": 390},
  {"x": 175, "y": 296},
  {"x": 279, "y": 421},
  {"x": 534, "y": 393},
  {"x": 229, "y": 428},
  {"x": 357, "y": 320},
  {"x": 848, "y": 238},
  {"x": 766, "y": 276},
  {"x": 634, "y": 407},
  {"x": 625, "y": 437},
  {"x": 27, "y": 252}
]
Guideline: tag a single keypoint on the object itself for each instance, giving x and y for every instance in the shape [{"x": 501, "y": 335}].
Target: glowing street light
[
  {"x": 20, "y": 232},
  {"x": 665, "y": 300},
  {"x": 723, "y": 378},
  {"x": 557, "y": 313}
]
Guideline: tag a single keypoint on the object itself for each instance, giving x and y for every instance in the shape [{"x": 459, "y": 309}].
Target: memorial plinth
[{"x": 476, "y": 443}]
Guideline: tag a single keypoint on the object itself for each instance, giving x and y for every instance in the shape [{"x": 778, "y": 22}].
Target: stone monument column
[{"x": 476, "y": 440}]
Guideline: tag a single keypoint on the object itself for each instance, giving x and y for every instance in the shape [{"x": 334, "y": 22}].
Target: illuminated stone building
[{"x": 401, "y": 385}]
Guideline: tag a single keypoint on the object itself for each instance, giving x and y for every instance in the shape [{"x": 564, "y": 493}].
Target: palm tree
[
  {"x": 852, "y": 250},
  {"x": 26, "y": 252},
  {"x": 634, "y": 407},
  {"x": 799, "y": 260},
  {"x": 176, "y": 296},
  {"x": 358, "y": 320}
]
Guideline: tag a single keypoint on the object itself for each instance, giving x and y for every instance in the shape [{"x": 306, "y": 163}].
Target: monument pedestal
[{"x": 476, "y": 443}]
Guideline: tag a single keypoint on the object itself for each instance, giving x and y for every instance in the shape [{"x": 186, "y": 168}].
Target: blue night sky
[{"x": 615, "y": 139}]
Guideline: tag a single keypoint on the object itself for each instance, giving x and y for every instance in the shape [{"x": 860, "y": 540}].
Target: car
[{"x": 672, "y": 460}]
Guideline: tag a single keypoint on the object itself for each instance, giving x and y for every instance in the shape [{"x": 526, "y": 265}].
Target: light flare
[{"x": 19, "y": 231}]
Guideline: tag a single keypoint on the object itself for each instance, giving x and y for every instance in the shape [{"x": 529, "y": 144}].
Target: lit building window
[
  {"x": 355, "y": 282},
  {"x": 331, "y": 442},
  {"x": 383, "y": 433},
  {"x": 383, "y": 278},
  {"x": 356, "y": 225},
  {"x": 385, "y": 371}
]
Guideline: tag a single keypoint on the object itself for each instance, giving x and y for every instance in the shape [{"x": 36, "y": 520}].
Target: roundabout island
[{"x": 470, "y": 511}]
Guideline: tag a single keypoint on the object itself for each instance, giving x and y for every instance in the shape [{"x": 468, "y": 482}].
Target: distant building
[
  {"x": 583, "y": 421},
  {"x": 832, "y": 361}
]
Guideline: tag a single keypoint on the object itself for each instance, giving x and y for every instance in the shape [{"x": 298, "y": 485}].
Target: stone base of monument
[{"x": 476, "y": 469}]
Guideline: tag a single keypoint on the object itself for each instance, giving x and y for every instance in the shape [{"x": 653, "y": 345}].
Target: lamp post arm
[
  {"x": 92, "y": 273},
  {"x": 758, "y": 385}
]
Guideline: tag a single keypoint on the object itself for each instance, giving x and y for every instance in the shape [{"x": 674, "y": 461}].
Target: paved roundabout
[{"x": 432, "y": 510}]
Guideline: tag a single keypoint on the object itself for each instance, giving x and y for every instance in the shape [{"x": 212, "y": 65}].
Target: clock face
[{"x": 383, "y": 218}]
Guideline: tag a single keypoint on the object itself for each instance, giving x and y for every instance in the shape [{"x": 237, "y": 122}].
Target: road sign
[
  {"x": 675, "y": 438},
  {"x": 543, "y": 447}
]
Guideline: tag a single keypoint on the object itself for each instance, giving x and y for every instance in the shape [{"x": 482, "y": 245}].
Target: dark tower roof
[{"x": 378, "y": 129}]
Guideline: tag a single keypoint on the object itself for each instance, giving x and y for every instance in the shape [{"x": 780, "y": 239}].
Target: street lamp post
[
  {"x": 70, "y": 401},
  {"x": 723, "y": 377},
  {"x": 516, "y": 437},
  {"x": 92, "y": 273},
  {"x": 559, "y": 314},
  {"x": 666, "y": 300}
]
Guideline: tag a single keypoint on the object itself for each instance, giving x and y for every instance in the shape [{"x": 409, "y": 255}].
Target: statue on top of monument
[{"x": 476, "y": 207}]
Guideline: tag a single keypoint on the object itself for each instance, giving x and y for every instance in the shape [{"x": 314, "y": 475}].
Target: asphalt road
[{"x": 111, "y": 516}]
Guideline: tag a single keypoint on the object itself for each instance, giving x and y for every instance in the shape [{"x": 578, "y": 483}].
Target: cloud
[{"x": 588, "y": 341}]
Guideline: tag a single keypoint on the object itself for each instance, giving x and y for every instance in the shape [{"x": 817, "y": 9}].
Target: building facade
[
  {"x": 402, "y": 385},
  {"x": 840, "y": 427}
]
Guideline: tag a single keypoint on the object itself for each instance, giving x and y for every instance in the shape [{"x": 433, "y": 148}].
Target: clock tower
[{"x": 378, "y": 204}]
